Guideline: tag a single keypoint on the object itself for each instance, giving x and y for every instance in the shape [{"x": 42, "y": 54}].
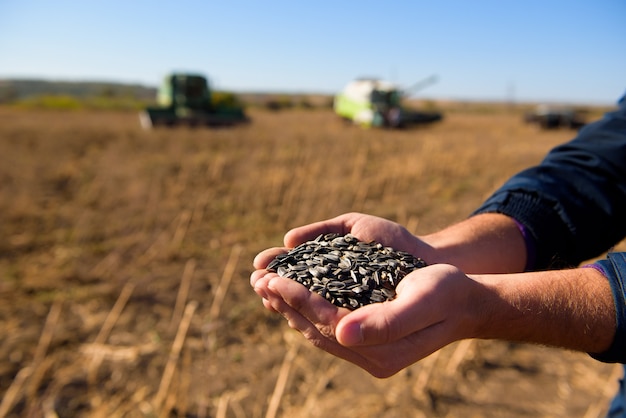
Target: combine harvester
[
  {"x": 371, "y": 102},
  {"x": 551, "y": 117},
  {"x": 186, "y": 99}
]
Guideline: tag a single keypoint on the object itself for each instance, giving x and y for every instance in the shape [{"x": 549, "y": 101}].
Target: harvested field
[{"x": 126, "y": 254}]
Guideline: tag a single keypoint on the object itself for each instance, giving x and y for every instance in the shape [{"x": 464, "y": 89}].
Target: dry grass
[{"x": 125, "y": 260}]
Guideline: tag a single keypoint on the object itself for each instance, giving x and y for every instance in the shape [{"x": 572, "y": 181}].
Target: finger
[
  {"x": 259, "y": 280},
  {"x": 339, "y": 225},
  {"x": 256, "y": 276},
  {"x": 288, "y": 297},
  {"x": 310, "y": 305},
  {"x": 263, "y": 258},
  {"x": 268, "y": 306}
]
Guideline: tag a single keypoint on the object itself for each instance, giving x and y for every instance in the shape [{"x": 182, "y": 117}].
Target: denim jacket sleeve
[
  {"x": 572, "y": 207},
  {"x": 573, "y": 204},
  {"x": 614, "y": 268}
]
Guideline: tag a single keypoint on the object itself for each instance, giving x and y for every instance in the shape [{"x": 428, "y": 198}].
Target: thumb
[
  {"x": 369, "y": 325},
  {"x": 415, "y": 308}
]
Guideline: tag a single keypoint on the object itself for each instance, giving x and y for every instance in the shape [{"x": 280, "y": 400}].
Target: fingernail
[{"x": 352, "y": 334}]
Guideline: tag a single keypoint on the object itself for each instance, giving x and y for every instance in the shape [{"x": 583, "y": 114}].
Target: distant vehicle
[
  {"x": 550, "y": 117},
  {"x": 373, "y": 102},
  {"x": 186, "y": 99}
]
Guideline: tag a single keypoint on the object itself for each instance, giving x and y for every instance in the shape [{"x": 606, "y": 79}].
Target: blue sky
[{"x": 532, "y": 50}]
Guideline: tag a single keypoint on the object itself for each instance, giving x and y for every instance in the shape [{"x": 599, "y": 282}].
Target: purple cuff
[
  {"x": 596, "y": 267},
  {"x": 530, "y": 246}
]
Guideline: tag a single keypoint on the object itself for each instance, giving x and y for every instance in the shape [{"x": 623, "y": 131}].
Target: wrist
[{"x": 485, "y": 243}]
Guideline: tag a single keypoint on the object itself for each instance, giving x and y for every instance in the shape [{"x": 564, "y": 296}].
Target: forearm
[
  {"x": 572, "y": 309},
  {"x": 485, "y": 243}
]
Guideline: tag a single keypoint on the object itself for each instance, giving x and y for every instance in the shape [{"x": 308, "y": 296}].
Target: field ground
[{"x": 126, "y": 254}]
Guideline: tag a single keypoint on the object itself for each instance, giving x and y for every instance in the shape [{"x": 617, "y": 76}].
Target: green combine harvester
[
  {"x": 187, "y": 99},
  {"x": 372, "y": 102}
]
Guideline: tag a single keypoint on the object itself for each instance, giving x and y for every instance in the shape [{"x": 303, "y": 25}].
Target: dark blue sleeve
[
  {"x": 614, "y": 268},
  {"x": 573, "y": 204}
]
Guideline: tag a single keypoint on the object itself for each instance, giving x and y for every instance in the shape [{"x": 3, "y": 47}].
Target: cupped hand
[
  {"x": 365, "y": 227},
  {"x": 432, "y": 309}
]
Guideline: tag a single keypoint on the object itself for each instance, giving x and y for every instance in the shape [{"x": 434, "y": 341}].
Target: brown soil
[{"x": 125, "y": 258}]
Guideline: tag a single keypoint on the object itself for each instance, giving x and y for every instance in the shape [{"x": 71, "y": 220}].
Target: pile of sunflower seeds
[{"x": 347, "y": 272}]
